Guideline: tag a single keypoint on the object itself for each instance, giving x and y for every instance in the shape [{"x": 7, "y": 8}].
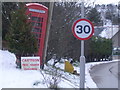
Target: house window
[{"x": 116, "y": 51}]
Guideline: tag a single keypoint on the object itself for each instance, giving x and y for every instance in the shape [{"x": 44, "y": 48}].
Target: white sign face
[
  {"x": 83, "y": 29},
  {"x": 30, "y": 63}
]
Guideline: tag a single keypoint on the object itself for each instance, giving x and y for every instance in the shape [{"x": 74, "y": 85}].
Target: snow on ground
[
  {"x": 12, "y": 77},
  {"x": 15, "y": 78}
]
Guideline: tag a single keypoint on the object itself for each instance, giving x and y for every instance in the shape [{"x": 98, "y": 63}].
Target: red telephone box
[{"x": 38, "y": 18}]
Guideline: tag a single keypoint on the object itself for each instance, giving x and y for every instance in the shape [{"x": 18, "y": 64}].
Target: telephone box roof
[{"x": 36, "y": 4}]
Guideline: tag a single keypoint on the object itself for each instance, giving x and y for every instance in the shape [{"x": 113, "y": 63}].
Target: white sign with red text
[{"x": 30, "y": 63}]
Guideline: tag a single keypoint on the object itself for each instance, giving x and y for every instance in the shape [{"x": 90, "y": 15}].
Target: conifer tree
[
  {"x": 20, "y": 39},
  {"x": 94, "y": 16},
  {"x": 100, "y": 48}
]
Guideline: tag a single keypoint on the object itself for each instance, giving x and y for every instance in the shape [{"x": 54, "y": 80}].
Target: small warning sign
[{"x": 30, "y": 63}]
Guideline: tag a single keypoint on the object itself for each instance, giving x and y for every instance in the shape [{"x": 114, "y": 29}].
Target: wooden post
[{"x": 51, "y": 4}]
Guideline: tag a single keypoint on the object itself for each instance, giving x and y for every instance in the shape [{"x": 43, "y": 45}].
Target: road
[{"x": 106, "y": 75}]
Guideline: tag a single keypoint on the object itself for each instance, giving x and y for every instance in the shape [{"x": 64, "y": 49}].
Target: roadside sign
[
  {"x": 30, "y": 63},
  {"x": 83, "y": 29}
]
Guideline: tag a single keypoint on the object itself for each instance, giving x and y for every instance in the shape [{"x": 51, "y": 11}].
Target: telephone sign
[{"x": 83, "y": 29}]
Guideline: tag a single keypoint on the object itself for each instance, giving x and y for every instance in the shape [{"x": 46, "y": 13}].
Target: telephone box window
[
  {"x": 35, "y": 24},
  {"x": 36, "y": 30},
  {"x": 38, "y": 19},
  {"x": 41, "y": 19},
  {"x": 37, "y": 35}
]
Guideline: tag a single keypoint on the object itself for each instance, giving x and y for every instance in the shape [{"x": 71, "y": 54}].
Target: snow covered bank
[
  {"x": 15, "y": 78},
  {"x": 11, "y": 77},
  {"x": 89, "y": 83},
  {"x": 7, "y": 60}
]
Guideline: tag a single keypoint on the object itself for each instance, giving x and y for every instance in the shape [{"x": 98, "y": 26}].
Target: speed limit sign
[{"x": 83, "y": 29}]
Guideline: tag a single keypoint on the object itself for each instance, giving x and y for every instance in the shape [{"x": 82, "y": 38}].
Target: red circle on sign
[{"x": 80, "y": 38}]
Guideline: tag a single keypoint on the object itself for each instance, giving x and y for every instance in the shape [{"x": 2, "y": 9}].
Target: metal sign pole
[
  {"x": 82, "y": 29},
  {"x": 82, "y": 66},
  {"x": 82, "y": 57}
]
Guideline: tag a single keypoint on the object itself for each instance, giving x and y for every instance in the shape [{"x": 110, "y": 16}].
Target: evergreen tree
[
  {"x": 100, "y": 48},
  {"x": 20, "y": 39},
  {"x": 94, "y": 16},
  {"x": 7, "y": 7}
]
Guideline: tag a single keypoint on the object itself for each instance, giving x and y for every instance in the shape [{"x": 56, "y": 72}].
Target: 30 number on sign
[{"x": 83, "y": 29}]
